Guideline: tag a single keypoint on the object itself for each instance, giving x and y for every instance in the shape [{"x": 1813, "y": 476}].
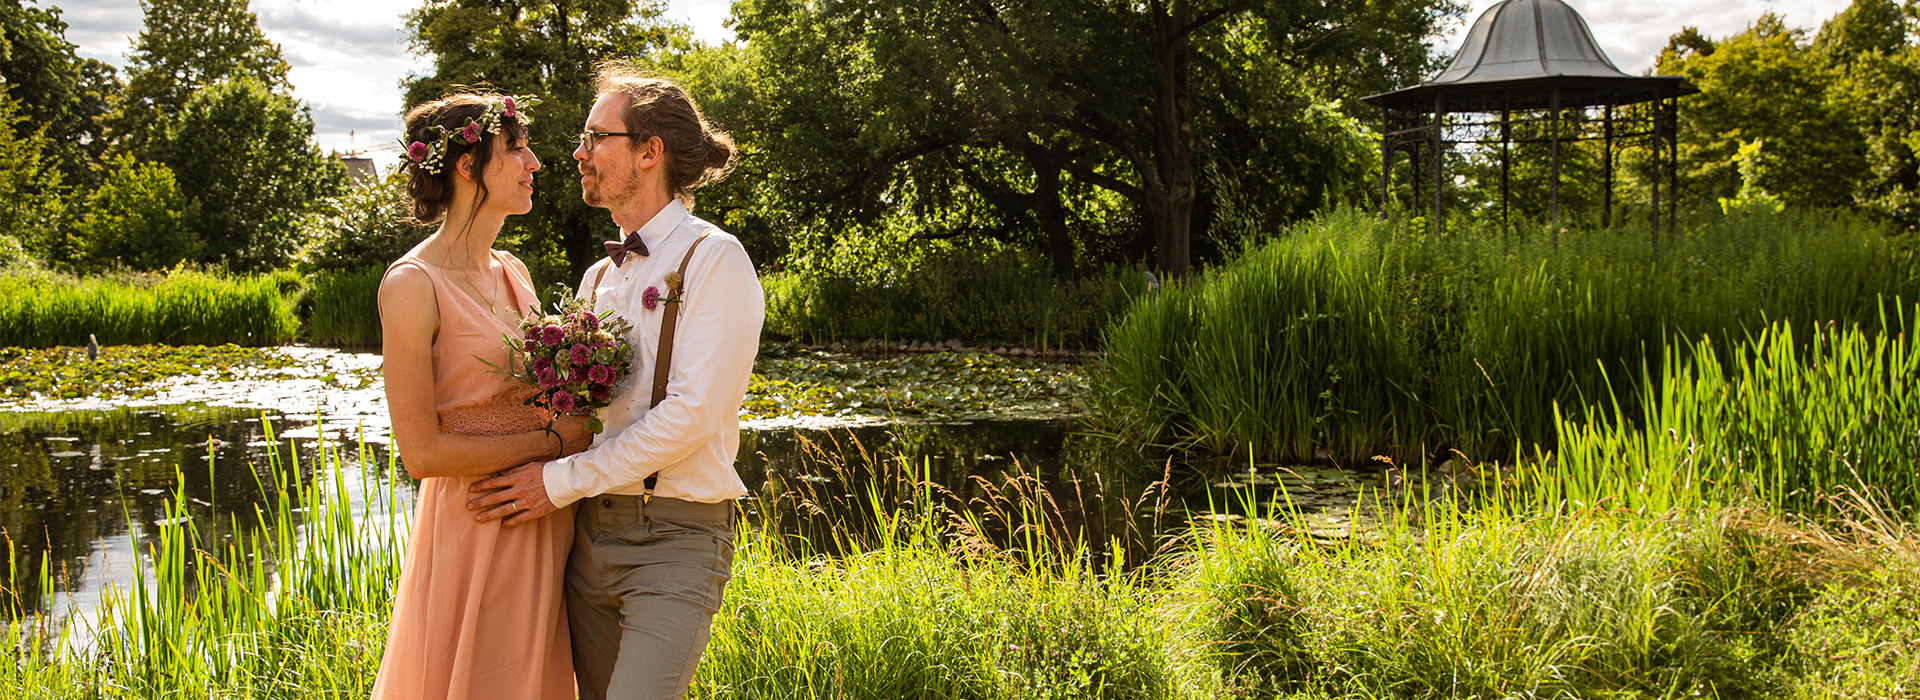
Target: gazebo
[{"x": 1526, "y": 63}]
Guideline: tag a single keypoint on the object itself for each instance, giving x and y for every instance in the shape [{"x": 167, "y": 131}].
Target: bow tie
[{"x": 618, "y": 250}]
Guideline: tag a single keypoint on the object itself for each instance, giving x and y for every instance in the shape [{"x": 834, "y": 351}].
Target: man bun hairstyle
[
  {"x": 697, "y": 154},
  {"x": 430, "y": 177}
]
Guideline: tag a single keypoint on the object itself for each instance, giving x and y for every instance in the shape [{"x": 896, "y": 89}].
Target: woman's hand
[{"x": 575, "y": 438}]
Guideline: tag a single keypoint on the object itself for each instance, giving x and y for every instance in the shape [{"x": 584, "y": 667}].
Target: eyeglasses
[{"x": 587, "y": 138}]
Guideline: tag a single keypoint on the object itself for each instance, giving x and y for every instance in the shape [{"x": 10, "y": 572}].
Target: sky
[{"x": 349, "y": 56}]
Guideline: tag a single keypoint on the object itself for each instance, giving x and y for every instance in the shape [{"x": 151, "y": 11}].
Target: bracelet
[{"x": 562, "y": 452}]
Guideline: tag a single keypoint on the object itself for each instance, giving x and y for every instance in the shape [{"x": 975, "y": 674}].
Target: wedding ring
[{"x": 515, "y": 504}]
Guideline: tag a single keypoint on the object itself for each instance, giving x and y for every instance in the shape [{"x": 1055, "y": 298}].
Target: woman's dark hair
[
  {"x": 432, "y": 192},
  {"x": 697, "y": 153}
]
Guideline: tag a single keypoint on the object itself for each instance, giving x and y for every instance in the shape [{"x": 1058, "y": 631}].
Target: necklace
[{"x": 488, "y": 295}]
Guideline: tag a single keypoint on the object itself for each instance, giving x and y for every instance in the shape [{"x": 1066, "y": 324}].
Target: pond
[{"x": 83, "y": 486}]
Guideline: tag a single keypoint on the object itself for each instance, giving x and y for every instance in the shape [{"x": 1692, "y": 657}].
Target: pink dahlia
[
  {"x": 601, "y": 374},
  {"x": 581, "y": 354},
  {"x": 650, "y": 299},
  {"x": 471, "y": 133},
  {"x": 417, "y": 151},
  {"x": 562, "y": 402},
  {"x": 552, "y": 335}
]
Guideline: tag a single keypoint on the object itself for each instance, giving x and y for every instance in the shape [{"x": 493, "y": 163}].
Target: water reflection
[
  {"x": 83, "y": 489},
  {"x": 80, "y": 488}
]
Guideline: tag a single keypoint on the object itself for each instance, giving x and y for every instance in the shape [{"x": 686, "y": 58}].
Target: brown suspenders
[{"x": 662, "y": 357}]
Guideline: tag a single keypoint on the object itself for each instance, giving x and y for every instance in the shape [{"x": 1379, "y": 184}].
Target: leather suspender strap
[{"x": 663, "y": 358}]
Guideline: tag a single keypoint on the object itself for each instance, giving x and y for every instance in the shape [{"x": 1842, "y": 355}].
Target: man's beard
[{"x": 598, "y": 195}]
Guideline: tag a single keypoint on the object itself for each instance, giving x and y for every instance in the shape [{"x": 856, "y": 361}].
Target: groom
[{"x": 654, "y": 533}]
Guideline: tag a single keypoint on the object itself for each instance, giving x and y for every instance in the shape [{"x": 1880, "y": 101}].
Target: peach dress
[{"x": 478, "y": 612}]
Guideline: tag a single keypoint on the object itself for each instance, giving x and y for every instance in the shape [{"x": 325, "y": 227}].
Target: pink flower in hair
[
  {"x": 417, "y": 151},
  {"x": 472, "y": 132},
  {"x": 511, "y": 109}
]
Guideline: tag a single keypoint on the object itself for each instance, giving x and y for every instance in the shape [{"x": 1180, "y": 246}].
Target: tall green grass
[
  {"x": 179, "y": 308},
  {"x": 977, "y": 301},
  {"x": 915, "y": 592},
  {"x": 1792, "y": 415},
  {"x": 1364, "y": 337},
  {"x": 344, "y": 308}
]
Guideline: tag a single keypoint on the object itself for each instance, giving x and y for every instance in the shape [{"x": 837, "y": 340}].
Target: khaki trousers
[{"x": 643, "y": 583}]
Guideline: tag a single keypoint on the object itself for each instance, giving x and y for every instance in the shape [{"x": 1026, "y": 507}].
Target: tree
[
  {"x": 138, "y": 218},
  {"x": 245, "y": 155},
  {"x": 61, "y": 96},
  {"x": 1765, "y": 84},
  {"x": 185, "y": 46},
  {"x": 363, "y": 227},
  {"x": 547, "y": 48},
  {"x": 1104, "y": 93},
  {"x": 31, "y": 206}
]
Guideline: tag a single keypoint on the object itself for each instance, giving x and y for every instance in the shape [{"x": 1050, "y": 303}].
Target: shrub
[{"x": 139, "y": 219}]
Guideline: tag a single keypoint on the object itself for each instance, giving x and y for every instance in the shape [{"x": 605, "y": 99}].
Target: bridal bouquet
[{"x": 572, "y": 359}]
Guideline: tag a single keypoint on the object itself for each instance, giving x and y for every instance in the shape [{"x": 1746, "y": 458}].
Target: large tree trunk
[
  {"x": 1045, "y": 203},
  {"x": 1170, "y": 191}
]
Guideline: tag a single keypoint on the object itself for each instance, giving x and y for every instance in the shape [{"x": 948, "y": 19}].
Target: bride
[{"x": 478, "y": 609}]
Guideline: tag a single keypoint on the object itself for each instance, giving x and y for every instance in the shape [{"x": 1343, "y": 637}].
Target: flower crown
[{"x": 428, "y": 157}]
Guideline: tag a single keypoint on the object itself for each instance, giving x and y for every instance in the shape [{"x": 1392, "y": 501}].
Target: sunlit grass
[
  {"x": 860, "y": 578},
  {"x": 180, "y": 308},
  {"x": 1366, "y": 337}
]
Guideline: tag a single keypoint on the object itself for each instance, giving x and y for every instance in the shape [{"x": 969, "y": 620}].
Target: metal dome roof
[{"x": 1516, "y": 53}]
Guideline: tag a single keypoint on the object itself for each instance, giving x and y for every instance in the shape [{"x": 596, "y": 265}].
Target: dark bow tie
[{"x": 618, "y": 250}]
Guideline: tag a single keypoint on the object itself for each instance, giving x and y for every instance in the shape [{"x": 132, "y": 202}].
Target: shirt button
[{"x": 606, "y": 503}]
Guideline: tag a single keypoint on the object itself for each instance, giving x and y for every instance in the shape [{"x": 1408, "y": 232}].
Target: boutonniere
[{"x": 651, "y": 298}]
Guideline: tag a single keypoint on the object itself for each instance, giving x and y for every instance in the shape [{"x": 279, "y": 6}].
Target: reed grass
[
  {"x": 183, "y": 307},
  {"x": 916, "y": 591},
  {"x": 1791, "y": 415},
  {"x": 1000, "y": 301},
  {"x": 344, "y": 308},
  {"x": 1365, "y": 337}
]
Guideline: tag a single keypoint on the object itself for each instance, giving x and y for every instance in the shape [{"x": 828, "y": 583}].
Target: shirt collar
[{"x": 663, "y": 224}]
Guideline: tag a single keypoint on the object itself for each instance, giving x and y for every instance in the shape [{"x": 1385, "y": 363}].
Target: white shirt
[{"x": 690, "y": 439}]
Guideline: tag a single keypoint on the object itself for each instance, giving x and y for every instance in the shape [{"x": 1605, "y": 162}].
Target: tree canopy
[{"x": 548, "y": 48}]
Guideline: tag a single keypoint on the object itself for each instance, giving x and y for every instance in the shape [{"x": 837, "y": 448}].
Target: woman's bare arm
[{"x": 409, "y": 317}]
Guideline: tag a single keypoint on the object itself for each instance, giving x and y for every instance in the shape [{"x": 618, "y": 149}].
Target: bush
[
  {"x": 1368, "y": 337},
  {"x": 139, "y": 219},
  {"x": 364, "y": 226},
  {"x": 1002, "y": 300}
]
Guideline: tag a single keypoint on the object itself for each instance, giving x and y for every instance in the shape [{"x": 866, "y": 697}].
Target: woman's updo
[
  {"x": 432, "y": 157},
  {"x": 697, "y": 153}
]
